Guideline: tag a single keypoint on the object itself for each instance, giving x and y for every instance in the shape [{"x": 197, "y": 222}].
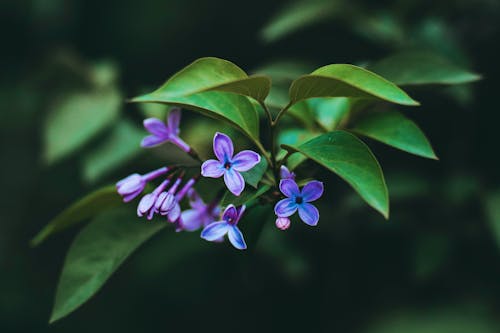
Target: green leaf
[
  {"x": 85, "y": 208},
  {"x": 394, "y": 129},
  {"x": 236, "y": 110},
  {"x": 413, "y": 68},
  {"x": 492, "y": 208},
  {"x": 344, "y": 80},
  {"x": 296, "y": 16},
  {"x": 254, "y": 175},
  {"x": 278, "y": 99},
  {"x": 77, "y": 118},
  {"x": 351, "y": 159},
  {"x": 211, "y": 74},
  {"x": 247, "y": 196},
  {"x": 285, "y": 70},
  {"x": 95, "y": 254},
  {"x": 294, "y": 137},
  {"x": 330, "y": 111},
  {"x": 121, "y": 145}
]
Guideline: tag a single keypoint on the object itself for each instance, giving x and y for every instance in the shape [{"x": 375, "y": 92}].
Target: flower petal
[
  {"x": 212, "y": 169},
  {"x": 174, "y": 213},
  {"x": 152, "y": 141},
  {"x": 236, "y": 238},
  {"x": 234, "y": 181},
  {"x": 173, "y": 121},
  {"x": 245, "y": 160},
  {"x": 191, "y": 220},
  {"x": 289, "y": 188},
  {"x": 146, "y": 203},
  {"x": 286, "y": 174},
  {"x": 230, "y": 213},
  {"x": 131, "y": 196},
  {"x": 312, "y": 191},
  {"x": 308, "y": 213},
  {"x": 223, "y": 147},
  {"x": 285, "y": 207},
  {"x": 156, "y": 126},
  {"x": 241, "y": 210},
  {"x": 214, "y": 231}
]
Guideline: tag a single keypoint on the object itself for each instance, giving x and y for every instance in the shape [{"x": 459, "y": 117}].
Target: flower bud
[{"x": 282, "y": 223}]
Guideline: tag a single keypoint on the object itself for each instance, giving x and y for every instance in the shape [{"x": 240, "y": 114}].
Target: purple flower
[
  {"x": 161, "y": 132},
  {"x": 133, "y": 185},
  {"x": 286, "y": 174},
  {"x": 165, "y": 201},
  {"x": 147, "y": 204},
  {"x": 282, "y": 223},
  {"x": 228, "y": 165},
  {"x": 299, "y": 200},
  {"x": 200, "y": 214},
  {"x": 215, "y": 230}
]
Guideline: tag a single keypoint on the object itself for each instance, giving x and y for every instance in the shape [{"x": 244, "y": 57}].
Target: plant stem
[{"x": 272, "y": 133}]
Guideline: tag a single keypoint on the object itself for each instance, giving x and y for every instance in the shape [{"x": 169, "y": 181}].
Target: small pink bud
[{"x": 282, "y": 223}]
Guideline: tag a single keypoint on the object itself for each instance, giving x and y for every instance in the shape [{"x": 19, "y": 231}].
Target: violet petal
[
  {"x": 215, "y": 230},
  {"x": 312, "y": 191},
  {"x": 156, "y": 126},
  {"x": 212, "y": 169},
  {"x": 152, "y": 141},
  {"x": 223, "y": 147},
  {"x": 289, "y": 188},
  {"x": 230, "y": 214},
  {"x": 191, "y": 220},
  {"x": 234, "y": 181},
  {"x": 285, "y": 207},
  {"x": 236, "y": 238},
  {"x": 309, "y": 214},
  {"x": 173, "y": 121},
  {"x": 245, "y": 160}
]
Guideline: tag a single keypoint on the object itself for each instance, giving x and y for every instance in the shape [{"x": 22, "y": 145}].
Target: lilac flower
[
  {"x": 215, "y": 230},
  {"x": 200, "y": 214},
  {"x": 228, "y": 165},
  {"x": 133, "y": 185},
  {"x": 166, "y": 199},
  {"x": 161, "y": 132},
  {"x": 147, "y": 204},
  {"x": 175, "y": 211},
  {"x": 299, "y": 200},
  {"x": 282, "y": 223},
  {"x": 286, "y": 174}
]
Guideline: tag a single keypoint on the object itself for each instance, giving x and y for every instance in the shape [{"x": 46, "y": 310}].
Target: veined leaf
[
  {"x": 297, "y": 15},
  {"x": 95, "y": 254},
  {"x": 413, "y": 68},
  {"x": 330, "y": 111},
  {"x": 394, "y": 129},
  {"x": 295, "y": 137},
  {"x": 344, "y": 80},
  {"x": 233, "y": 109},
  {"x": 301, "y": 112},
  {"x": 76, "y": 119},
  {"x": 211, "y": 74},
  {"x": 85, "y": 208},
  {"x": 351, "y": 159}
]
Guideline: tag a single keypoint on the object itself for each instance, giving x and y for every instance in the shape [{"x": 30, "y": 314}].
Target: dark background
[{"x": 433, "y": 267}]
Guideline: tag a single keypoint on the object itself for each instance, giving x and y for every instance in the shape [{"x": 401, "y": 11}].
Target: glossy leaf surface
[
  {"x": 95, "y": 254},
  {"x": 347, "y": 156},
  {"x": 394, "y": 129},
  {"x": 344, "y": 80},
  {"x": 85, "y": 208}
]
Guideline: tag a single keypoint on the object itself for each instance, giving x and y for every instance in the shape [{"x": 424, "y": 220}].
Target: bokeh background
[{"x": 434, "y": 267}]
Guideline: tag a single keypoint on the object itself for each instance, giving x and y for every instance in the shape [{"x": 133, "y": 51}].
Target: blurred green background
[{"x": 433, "y": 267}]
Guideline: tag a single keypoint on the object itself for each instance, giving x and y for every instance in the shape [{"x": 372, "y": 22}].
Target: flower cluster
[{"x": 166, "y": 199}]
